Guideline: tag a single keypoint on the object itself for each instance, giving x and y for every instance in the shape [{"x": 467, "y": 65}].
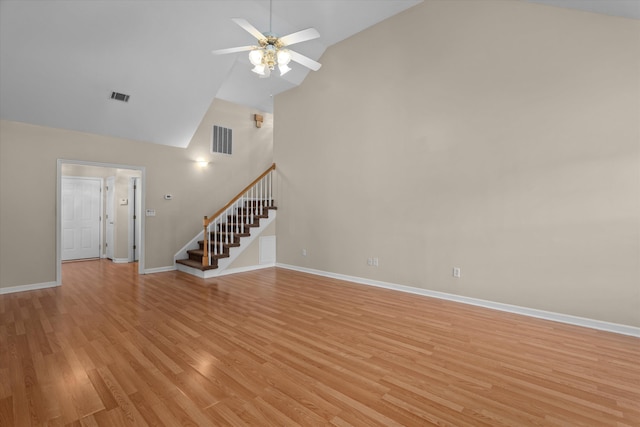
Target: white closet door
[{"x": 80, "y": 218}]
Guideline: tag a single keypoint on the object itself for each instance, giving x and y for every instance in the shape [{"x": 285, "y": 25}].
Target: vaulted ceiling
[{"x": 60, "y": 60}]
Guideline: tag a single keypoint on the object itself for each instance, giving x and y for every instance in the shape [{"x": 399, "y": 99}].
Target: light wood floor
[{"x": 277, "y": 347}]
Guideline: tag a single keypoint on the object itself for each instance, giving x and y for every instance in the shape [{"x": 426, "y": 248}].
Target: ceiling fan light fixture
[
  {"x": 284, "y": 69},
  {"x": 284, "y": 57},
  {"x": 255, "y": 56},
  {"x": 271, "y": 50},
  {"x": 259, "y": 69},
  {"x": 266, "y": 73}
]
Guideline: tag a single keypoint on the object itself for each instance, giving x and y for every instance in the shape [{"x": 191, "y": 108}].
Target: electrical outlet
[
  {"x": 375, "y": 262},
  {"x": 369, "y": 261},
  {"x": 456, "y": 272},
  {"x": 304, "y": 252}
]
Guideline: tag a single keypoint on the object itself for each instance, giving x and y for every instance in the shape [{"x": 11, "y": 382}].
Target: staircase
[{"x": 232, "y": 229}]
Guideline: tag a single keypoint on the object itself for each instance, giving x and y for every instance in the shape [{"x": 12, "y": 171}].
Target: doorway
[{"x": 103, "y": 172}]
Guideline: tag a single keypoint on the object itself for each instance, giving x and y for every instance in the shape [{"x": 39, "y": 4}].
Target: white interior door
[
  {"x": 110, "y": 214},
  {"x": 81, "y": 207}
]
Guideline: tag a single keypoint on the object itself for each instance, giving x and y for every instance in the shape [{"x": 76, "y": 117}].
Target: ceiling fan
[{"x": 272, "y": 50}]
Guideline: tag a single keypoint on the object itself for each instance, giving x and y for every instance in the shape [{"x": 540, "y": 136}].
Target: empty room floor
[{"x": 278, "y": 347}]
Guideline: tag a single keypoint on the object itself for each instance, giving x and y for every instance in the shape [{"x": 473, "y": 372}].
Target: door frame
[
  {"x": 110, "y": 202},
  {"x": 143, "y": 182},
  {"x": 135, "y": 237}
]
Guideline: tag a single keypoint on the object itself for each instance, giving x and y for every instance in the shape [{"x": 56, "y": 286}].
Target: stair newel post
[{"x": 205, "y": 255}]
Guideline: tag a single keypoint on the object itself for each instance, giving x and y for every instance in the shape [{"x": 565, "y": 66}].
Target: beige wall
[
  {"x": 500, "y": 137},
  {"x": 28, "y": 164}
]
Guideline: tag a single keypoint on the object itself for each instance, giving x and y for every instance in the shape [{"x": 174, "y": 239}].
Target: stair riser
[
  {"x": 197, "y": 264},
  {"x": 263, "y": 213},
  {"x": 214, "y": 262},
  {"x": 234, "y": 228},
  {"x": 222, "y": 238},
  {"x": 244, "y": 220},
  {"x": 198, "y": 253},
  {"x": 222, "y": 249}
]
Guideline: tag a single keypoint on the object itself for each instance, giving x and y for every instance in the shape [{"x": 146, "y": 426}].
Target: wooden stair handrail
[{"x": 209, "y": 220}]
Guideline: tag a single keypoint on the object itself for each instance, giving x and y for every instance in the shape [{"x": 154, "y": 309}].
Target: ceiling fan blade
[
  {"x": 232, "y": 50},
  {"x": 249, "y": 28},
  {"x": 300, "y": 36},
  {"x": 304, "y": 60}
]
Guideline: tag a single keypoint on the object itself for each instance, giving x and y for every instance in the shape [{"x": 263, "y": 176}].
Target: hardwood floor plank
[
  {"x": 283, "y": 348},
  {"x": 126, "y": 411},
  {"x": 101, "y": 388},
  {"x": 6, "y": 412}
]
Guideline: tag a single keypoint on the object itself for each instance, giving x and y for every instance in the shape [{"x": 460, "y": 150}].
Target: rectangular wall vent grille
[
  {"x": 222, "y": 140},
  {"x": 119, "y": 96}
]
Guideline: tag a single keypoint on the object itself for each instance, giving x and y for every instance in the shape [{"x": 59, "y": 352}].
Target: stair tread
[
  {"x": 225, "y": 233},
  {"x": 211, "y": 242},
  {"x": 248, "y": 224},
  {"x": 200, "y": 252},
  {"x": 195, "y": 264},
  {"x": 232, "y": 244}
]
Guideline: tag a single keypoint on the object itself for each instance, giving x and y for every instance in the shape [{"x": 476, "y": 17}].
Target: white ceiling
[{"x": 61, "y": 59}]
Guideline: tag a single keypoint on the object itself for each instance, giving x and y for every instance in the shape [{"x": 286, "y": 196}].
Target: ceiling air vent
[{"x": 119, "y": 96}]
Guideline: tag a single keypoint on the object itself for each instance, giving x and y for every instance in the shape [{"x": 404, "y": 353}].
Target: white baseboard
[
  {"x": 160, "y": 269},
  {"x": 120, "y": 260},
  {"x": 32, "y": 287},
  {"x": 531, "y": 312},
  {"x": 216, "y": 272}
]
